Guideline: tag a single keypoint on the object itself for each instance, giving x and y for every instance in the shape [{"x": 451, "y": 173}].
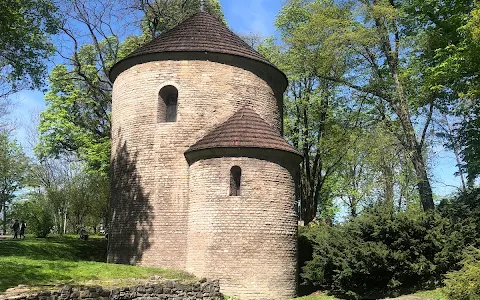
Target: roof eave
[
  {"x": 250, "y": 64},
  {"x": 284, "y": 157}
]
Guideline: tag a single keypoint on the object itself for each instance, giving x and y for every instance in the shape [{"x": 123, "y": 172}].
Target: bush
[
  {"x": 382, "y": 253},
  {"x": 464, "y": 284},
  {"x": 464, "y": 211},
  {"x": 38, "y": 218}
]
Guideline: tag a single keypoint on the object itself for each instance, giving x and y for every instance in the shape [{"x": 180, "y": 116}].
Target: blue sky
[
  {"x": 252, "y": 16},
  {"x": 243, "y": 17}
]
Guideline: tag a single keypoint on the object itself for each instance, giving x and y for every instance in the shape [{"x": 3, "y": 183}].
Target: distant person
[
  {"x": 83, "y": 234},
  {"x": 16, "y": 228},
  {"x": 22, "y": 229}
]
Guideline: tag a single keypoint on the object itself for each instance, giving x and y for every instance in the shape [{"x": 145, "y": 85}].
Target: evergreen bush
[
  {"x": 382, "y": 253},
  {"x": 464, "y": 284}
]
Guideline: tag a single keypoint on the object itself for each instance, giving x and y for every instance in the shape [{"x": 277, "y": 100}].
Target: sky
[{"x": 243, "y": 17}]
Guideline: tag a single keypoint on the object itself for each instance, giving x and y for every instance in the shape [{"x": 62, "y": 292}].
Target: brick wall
[
  {"x": 150, "y": 186},
  {"x": 247, "y": 241}
]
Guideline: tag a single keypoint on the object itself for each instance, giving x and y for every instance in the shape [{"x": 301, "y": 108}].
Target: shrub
[
  {"x": 382, "y": 253},
  {"x": 464, "y": 211},
  {"x": 37, "y": 216},
  {"x": 464, "y": 284}
]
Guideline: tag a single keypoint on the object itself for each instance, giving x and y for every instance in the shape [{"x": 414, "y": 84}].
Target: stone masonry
[{"x": 167, "y": 290}]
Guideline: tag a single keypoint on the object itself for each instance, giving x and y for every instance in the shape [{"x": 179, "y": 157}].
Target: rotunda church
[{"x": 202, "y": 179}]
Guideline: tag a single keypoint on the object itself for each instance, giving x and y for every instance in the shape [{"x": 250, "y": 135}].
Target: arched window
[
  {"x": 167, "y": 104},
  {"x": 235, "y": 180}
]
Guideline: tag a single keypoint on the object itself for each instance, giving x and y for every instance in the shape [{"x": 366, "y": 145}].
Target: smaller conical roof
[{"x": 245, "y": 129}]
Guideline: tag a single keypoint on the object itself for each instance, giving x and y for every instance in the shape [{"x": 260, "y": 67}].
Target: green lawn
[
  {"x": 432, "y": 295},
  {"x": 65, "y": 259}
]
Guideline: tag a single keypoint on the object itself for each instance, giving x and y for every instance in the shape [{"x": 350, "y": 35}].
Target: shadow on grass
[
  {"x": 57, "y": 248},
  {"x": 15, "y": 272},
  {"x": 41, "y": 261}
]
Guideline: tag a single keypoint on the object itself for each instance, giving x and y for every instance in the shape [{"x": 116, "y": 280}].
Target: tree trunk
[
  {"x": 353, "y": 207},
  {"x": 423, "y": 183},
  {"x": 4, "y": 209},
  {"x": 456, "y": 151},
  {"x": 411, "y": 144},
  {"x": 389, "y": 182},
  {"x": 400, "y": 106}
]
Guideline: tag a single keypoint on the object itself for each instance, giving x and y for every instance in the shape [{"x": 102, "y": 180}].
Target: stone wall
[
  {"x": 247, "y": 241},
  {"x": 168, "y": 290}
]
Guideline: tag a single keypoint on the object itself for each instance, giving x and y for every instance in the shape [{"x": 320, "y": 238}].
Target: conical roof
[
  {"x": 201, "y": 33},
  {"x": 245, "y": 129}
]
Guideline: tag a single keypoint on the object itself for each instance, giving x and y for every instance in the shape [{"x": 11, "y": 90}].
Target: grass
[
  {"x": 56, "y": 260},
  {"x": 432, "y": 295}
]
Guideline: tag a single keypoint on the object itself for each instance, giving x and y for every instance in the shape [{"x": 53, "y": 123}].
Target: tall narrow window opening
[
  {"x": 167, "y": 104},
  {"x": 235, "y": 180}
]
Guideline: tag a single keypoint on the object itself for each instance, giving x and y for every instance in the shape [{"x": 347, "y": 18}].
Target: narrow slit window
[
  {"x": 235, "y": 181},
  {"x": 167, "y": 104}
]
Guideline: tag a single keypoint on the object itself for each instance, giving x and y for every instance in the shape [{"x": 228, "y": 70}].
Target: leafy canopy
[{"x": 24, "y": 30}]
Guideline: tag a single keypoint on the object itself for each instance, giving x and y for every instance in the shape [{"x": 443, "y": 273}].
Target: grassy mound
[{"x": 66, "y": 259}]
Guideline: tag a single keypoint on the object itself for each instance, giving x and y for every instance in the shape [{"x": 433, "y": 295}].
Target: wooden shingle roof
[
  {"x": 245, "y": 129},
  {"x": 203, "y": 37},
  {"x": 200, "y": 33}
]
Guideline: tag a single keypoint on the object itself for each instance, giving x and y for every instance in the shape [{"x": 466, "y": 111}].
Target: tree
[
  {"x": 49, "y": 177},
  {"x": 35, "y": 211},
  {"x": 24, "y": 31},
  {"x": 162, "y": 15},
  {"x": 13, "y": 171},
  {"x": 449, "y": 48},
  {"x": 370, "y": 39},
  {"x": 318, "y": 120},
  {"x": 77, "y": 117}
]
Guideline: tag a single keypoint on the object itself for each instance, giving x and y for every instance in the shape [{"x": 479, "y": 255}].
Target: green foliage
[
  {"x": 77, "y": 116},
  {"x": 361, "y": 50},
  {"x": 464, "y": 284},
  {"x": 36, "y": 214},
  {"x": 75, "y": 196},
  {"x": 13, "y": 170},
  {"x": 87, "y": 197},
  {"x": 163, "y": 15},
  {"x": 318, "y": 118},
  {"x": 464, "y": 212},
  {"x": 447, "y": 47},
  {"x": 382, "y": 253},
  {"x": 13, "y": 166},
  {"x": 24, "y": 31}
]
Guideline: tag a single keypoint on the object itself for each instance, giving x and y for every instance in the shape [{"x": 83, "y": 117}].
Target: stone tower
[{"x": 202, "y": 179}]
